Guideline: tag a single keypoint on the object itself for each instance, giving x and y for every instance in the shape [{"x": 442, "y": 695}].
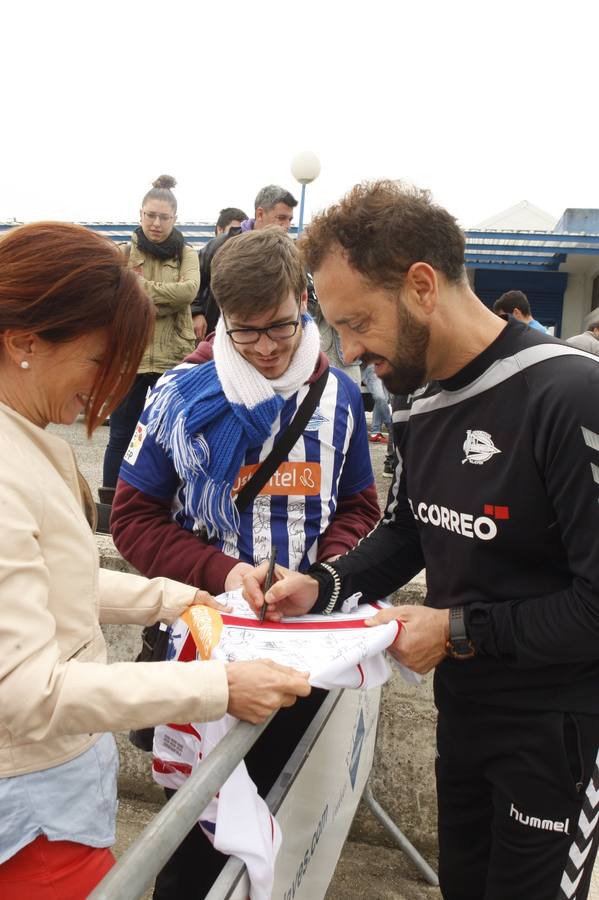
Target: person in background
[
  {"x": 273, "y": 206},
  {"x": 229, "y": 217},
  {"x": 515, "y": 303},
  {"x": 173, "y": 516},
  {"x": 74, "y": 323},
  {"x": 381, "y": 416},
  {"x": 381, "y": 413},
  {"x": 390, "y": 461},
  {"x": 228, "y": 224},
  {"x": 168, "y": 270},
  {"x": 589, "y": 339},
  {"x": 331, "y": 347}
]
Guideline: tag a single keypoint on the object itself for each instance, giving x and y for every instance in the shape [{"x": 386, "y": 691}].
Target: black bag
[
  {"x": 155, "y": 637},
  {"x": 154, "y": 647}
]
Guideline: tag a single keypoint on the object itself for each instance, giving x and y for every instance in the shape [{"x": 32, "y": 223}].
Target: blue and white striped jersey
[{"x": 329, "y": 462}]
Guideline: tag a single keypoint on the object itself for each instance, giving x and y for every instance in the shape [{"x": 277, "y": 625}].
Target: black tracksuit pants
[
  {"x": 195, "y": 865},
  {"x": 518, "y": 796}
]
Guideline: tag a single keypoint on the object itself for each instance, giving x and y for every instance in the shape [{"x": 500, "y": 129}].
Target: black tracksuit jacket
[
  {"x": 205, "y": 303},
  {"x": 497, "y": 494}
]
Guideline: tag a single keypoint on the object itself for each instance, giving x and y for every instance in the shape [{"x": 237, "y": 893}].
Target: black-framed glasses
[
  {"x": 283, "y": 331},
  {"x": 152, "y": 216}
]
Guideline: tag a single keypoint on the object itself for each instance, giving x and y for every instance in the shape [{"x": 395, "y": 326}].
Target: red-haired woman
[
  {"x": 169, "y": 271},
  {"x": 74, "y": 322}
]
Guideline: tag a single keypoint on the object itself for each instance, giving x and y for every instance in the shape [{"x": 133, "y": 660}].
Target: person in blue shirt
[{"x": 515, "y": 303}]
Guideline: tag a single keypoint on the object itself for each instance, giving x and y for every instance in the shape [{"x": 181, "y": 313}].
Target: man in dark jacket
[
  {"x": 273, "y": 206},
  {"x": 496, "y": 493},
  {"x": 228, "y": 218}
]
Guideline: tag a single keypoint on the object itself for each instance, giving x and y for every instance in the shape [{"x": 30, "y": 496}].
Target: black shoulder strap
[{"x": 268, "y": 467}]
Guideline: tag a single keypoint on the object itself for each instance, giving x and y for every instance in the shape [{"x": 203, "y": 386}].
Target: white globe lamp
[{"x": 305, "y": 167}]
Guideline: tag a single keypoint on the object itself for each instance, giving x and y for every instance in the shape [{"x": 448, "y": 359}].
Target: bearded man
[{"x": 496, "y": 493}]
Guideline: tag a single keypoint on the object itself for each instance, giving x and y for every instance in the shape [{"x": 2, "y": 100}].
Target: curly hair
[{"x": 384, "y": 227}]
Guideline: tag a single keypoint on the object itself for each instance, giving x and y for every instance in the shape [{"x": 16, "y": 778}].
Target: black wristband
[{"x": 326, "y": 586}]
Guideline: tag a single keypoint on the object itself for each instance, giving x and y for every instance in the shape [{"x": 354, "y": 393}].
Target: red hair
[{"x": 61, "y": 281}]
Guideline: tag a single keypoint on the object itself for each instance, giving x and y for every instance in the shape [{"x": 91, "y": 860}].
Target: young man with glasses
[{"x": 205, "y": 430}]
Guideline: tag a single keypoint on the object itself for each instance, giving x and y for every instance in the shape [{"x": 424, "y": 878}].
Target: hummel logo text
[{"x": 534, "y": 822}]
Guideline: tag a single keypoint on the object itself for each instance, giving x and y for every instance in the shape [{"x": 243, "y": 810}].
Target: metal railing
[
  {"x": 429, "y": 874},
  {"x": 136, "y": 870},
  {"x": 139, "y": 865}
]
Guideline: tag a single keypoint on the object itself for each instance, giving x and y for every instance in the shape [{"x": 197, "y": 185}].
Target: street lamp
[{"x": 305, "y": 167}]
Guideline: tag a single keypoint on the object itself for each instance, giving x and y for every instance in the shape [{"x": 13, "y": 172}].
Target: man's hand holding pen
[{"x": 291, "y": 593}]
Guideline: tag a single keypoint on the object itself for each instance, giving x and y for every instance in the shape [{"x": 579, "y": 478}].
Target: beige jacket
[
  {"x": 56, "y": 690},
  {"x": 172, "y": 286}
]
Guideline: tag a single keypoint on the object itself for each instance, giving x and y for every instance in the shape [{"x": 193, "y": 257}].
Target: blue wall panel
[{"x": 545, "y": 291}]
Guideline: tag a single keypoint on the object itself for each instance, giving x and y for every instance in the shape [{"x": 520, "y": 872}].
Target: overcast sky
[{"x": 485, "y": 103}]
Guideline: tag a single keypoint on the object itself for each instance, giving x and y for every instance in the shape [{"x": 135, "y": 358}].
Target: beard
[{"x": 408, "y": 360}]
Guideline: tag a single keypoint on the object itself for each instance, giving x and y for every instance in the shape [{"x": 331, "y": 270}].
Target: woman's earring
[{"x": 24, "y": 364}]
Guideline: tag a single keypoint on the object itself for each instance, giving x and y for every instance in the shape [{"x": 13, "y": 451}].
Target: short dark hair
[
  {"x": 510, "y": 301},
  {"x": 384, "y": 227},
  {"x": 62, "y": 281},
  {"x": 254, "y": 272},
  {"x": 227, "y": 215},
  {"x": 268, "y": 197}
]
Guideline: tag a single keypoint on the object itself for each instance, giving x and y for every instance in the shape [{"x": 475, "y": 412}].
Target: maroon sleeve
[
  {"x": 144, "y": 533},
  {"x": 355, "y": 517}
]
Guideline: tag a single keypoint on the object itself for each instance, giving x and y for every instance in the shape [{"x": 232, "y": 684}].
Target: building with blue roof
[{"x": 555, "y": 262}]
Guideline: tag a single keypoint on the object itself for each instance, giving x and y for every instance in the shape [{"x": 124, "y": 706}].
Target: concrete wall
[
  {"x": 578, "y": 296},
  {"x": 577, "y": 303},
  {"x": 578, "y": 221}
]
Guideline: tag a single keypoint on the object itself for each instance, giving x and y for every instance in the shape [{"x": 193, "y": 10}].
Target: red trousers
[{"x": 53, "y": 870}]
